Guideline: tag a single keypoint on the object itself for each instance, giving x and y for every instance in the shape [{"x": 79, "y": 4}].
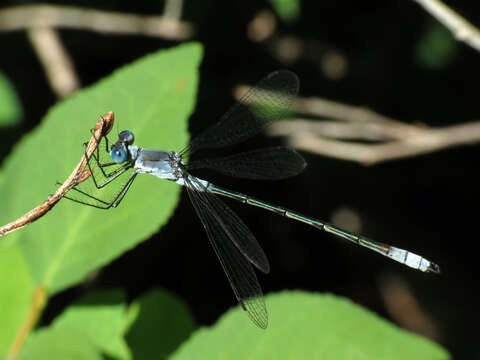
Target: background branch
[
  {"x": 369, "y": 154},
  {"x": 55, "y": 59},
  {"x": 459, "y": 26},
  {"x": 372, "y": 137},
  {"x": 40, "y": 16}
]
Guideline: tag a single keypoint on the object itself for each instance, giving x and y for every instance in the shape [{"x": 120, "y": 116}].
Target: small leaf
[
  {"x": 436, "y": 47},
  {"x": 52, "y": 344},
  {"x": 162, "y": 324},
  {"x": 154, "y": 98},
  {"x": 16, "y": 287},
  {"x": 101, "y": 318},
  {"x": 287, "y": 10},
  {"x": 308, "y": 326},
  {"x": 10, "y": 108}
]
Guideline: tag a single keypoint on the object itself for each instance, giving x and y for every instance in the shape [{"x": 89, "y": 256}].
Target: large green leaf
[
  {"x": 308, "y": 326},
  {"x": 153, "y": 97},
  {"x": 102, "y": 318},
  {"x": 16, "y": 286},
  {"x": 163, "y": 322},
  {"x": 10, "y": 108},
  {"x": 154, "y": 326},
  {"x": 55, "y": 344}
]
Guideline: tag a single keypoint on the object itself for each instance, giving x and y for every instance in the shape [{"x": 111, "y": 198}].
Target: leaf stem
[{"x": 39, "y": 301}]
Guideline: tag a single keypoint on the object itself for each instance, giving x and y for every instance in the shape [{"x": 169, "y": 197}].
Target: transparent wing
[
  {"x": 268, "y": 101},
  {"x": 224, "y": 237},
  {"x": 263, "y": 164},
  {"x": 237, "y": 231}
]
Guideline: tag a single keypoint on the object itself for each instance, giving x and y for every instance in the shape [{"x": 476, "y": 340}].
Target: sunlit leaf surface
[{"x": 308, "y": 326}]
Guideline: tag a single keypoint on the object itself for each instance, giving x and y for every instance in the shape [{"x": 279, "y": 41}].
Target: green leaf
[
  {"x": 153, "y": 97},
  {"x": 436, "y": 48},
  {"x": 308, "y": 326},
  {"x": 162, "y": 324},
  {"x": 287, "y": 10},
  {"x": 58, "y": 344},
  {"x": 10, "y": 108},
  {"x": 16, "y": 287},
  {"x": 101, "y": 318}
]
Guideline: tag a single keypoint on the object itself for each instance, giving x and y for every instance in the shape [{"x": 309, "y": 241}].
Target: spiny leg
[
  {"x": 96, "y": 155},
  {"x": 107, "y": 205},
  {"x": 124, "y": 190}
]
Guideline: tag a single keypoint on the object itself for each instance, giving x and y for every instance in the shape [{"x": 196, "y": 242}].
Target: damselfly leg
[{"x": 103, "y": 172}]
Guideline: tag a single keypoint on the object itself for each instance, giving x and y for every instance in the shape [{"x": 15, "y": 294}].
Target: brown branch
[
  {"x": 369, "y": 154},
  {"x": 31, "y": 16},
  {"x": 173, "y": 9},
  {"x": 392, "y": 139},
  {"x": 39, "y": 301},
  {"x": 459, "y": 26},
  {"x": 387, "y": 126},
  {"x": 350, "y": 119},
  {"x": 79, "y": 174},
  {"x": 334, "y": 129}
]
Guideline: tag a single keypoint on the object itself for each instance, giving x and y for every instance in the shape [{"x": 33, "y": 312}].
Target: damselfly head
[
  {"x": 119, "y": 151},
  {"x": 126, "y": 136}
]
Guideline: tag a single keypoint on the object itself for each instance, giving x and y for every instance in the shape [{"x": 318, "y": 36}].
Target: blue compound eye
[
  {"x": 127, "y": 137},
  {"x": 118, "y": 154}
]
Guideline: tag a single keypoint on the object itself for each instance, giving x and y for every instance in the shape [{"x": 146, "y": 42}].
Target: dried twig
[
  {"x": 369, "y": 154},
  {"x": 373, "y": 138},
  {"x": 379, "y": 124},
  {"x": 79, "y": 174},
  {"x": 459, "y": 26},
  {"x": 38, "y": 16}
]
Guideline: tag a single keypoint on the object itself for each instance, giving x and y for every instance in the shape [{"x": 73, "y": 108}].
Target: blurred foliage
[
  {"x": 59, "y": 344},
  {"x": 101, "y": 317},
  {"x": 323, "y": 327},
  {"x": 157, "y": 323},
  {"x": 436, "y": 47},
  {"x": 101, "y": 321},
  {"x": 287, "y": 10},
  {"x": 10, "y": 107},
  {"x": 162, "y": 323}
]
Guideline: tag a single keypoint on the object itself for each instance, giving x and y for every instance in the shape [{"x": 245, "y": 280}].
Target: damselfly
[{"x": 234, "y": 244}]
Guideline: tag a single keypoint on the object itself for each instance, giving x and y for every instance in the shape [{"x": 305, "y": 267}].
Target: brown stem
[
  {"x": 79, "y": 174},
  {"x": 39, "y": 301}
]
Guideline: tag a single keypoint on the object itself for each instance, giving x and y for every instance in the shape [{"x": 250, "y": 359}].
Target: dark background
[{"x": 427, "y": 204}]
